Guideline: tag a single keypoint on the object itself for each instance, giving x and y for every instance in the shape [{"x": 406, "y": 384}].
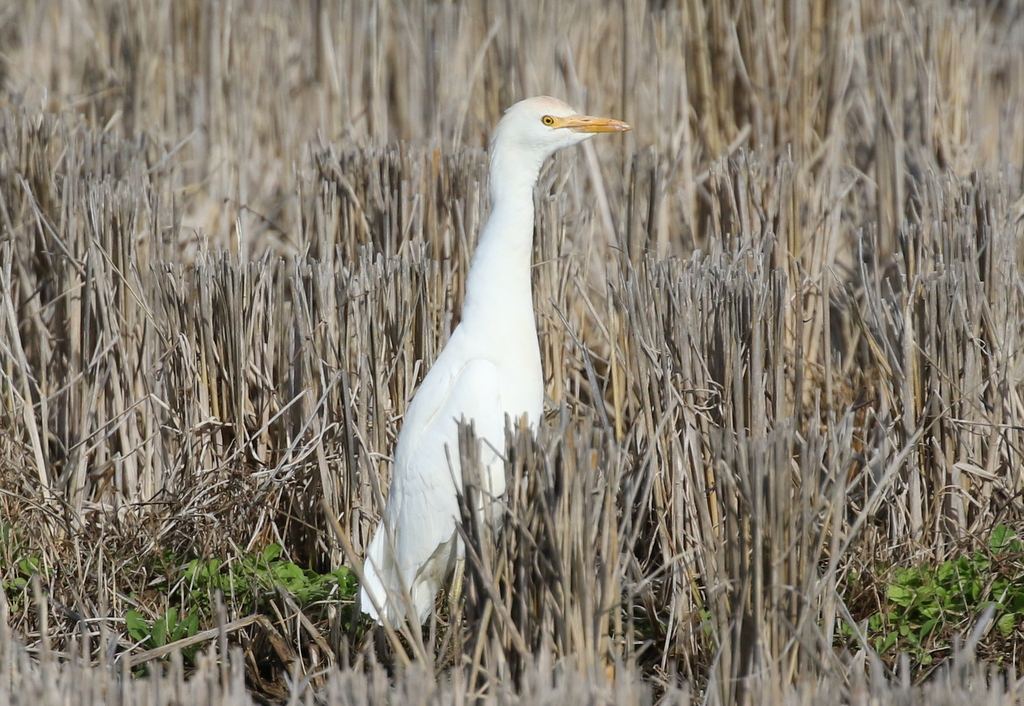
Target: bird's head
[{"x": 539, "y": 127}]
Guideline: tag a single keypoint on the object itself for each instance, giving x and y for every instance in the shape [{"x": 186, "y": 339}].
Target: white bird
[{"x": 489, "y": 368}]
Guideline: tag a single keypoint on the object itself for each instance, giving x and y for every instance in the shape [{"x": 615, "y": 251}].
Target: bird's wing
[{"x": 422, "y": 506}]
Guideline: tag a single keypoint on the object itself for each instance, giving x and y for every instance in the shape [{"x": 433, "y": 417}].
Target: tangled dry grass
[{"x": 781, "y": 324}]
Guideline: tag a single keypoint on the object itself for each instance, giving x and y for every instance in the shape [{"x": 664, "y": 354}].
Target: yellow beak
[{"x": 588, "y": 123}]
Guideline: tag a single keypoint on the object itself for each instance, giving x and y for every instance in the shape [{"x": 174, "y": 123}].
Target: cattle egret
[{"x": 489, "y": 368}]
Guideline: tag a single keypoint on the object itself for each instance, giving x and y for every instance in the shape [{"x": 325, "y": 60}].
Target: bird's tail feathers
[{"x": 380, "y": 573}]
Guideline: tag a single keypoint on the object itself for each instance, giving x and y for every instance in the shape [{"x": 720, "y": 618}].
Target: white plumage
[{"x": 489, "y": 368}]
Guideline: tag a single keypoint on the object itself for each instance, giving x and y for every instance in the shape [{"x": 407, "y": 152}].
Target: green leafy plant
[
  {"x": 21, "y": 567},
  {"x": 245, "y": 582},
  {"x": 926, "y": 605},
  {"x": 168, "y": 628},
  {"x": 247, "y": 579}
]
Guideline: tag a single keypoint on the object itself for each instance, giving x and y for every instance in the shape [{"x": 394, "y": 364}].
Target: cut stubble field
[{"x": 781, "y": 326}]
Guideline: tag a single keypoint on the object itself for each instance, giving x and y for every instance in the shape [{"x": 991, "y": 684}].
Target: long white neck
[{"x": 498, "y": 291}]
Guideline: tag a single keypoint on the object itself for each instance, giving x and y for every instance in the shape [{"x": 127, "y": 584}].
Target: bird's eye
[{"x": 548, "y": 120}]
